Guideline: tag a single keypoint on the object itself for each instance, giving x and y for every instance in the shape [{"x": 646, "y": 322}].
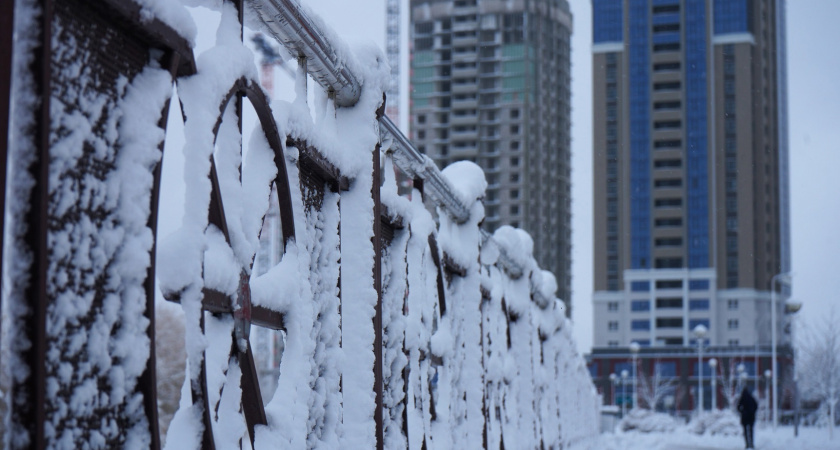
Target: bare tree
[
  {"x": 818, "y": 364},
  {"x": 654, "y": 388},
  {"x": 730, "y": 381}
]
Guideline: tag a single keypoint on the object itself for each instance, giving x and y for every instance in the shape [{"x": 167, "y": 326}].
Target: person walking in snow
[{"x": 747, "y": 407}]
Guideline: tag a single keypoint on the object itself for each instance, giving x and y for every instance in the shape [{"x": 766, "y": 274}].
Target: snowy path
[{"x": 766, "y": 439}]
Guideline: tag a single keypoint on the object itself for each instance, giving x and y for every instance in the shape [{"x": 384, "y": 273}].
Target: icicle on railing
[{"x": 292, "y": 28}]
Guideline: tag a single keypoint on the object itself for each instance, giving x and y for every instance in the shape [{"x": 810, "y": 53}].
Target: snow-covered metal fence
[{"x": 401, "y": 331}]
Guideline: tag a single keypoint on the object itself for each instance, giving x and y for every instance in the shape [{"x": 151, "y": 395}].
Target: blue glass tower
[{"x": 690, "y": 163}]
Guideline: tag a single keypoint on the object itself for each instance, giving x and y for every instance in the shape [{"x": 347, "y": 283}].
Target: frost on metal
[{"x": 475, "y": 347}]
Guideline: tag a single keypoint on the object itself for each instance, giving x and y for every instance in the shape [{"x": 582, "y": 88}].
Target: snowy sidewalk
[{"x": 765, "y": 439}]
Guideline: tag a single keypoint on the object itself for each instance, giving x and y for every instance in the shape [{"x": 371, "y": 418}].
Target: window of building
[
  {"x": 733, "y": 342},
  {"x": 514, "y": 129},
  {"x": 692, "y": 323},
  {"x": 514, "y": 113},
  {"x": 667, "y": 124},
  {"x": 666, "y": 28},
  {"x": 666, "y": 67},
  {"x": 612, "y": 325},
  {"x": 514, "y": 193},
  {"x": 514, "y": 210},
  {"x": 667, "y": 144},
  {"x": 732, "y": 304},
  {"x": 667, "y": 86},
  {"x": 421, "y": 118},
  {"x": 612, "y": 306},
  {"x": 669, "y": 302},
  {"x": 668, "y": 222},
  {"x": 669, "y": 242},
  {"x": 665, "y": 368},
  {"x": 514, "y": 177},
  {"x": 612, "y": 344},
  {"x": 669, "y": 322},
  {"x": 669, "y": 284},
  {"x": 514, "y": 161},
  {"x": 668, "y": 47},
  {"x": 640, "y": 305},
  {"x": 699, "y": 304},
  {"x": 668, "y": 263},
  {"x": 421, "y": 134},
  {"x": 667, "y": 183},
  {"x": 698, "y": 285},
  {"x": 732, "y": 324},
  {"x": 640, "y": 286},
  {"x": 666, "y": 9},
  {"x": 640, "y": 325},
  {"x": 667, "y": 203},
  {"x": 667, "y": 164},
  {"x": 671, "y": 341},
  {"x": 514, "y": 145}
]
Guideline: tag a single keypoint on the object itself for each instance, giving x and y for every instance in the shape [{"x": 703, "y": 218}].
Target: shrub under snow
[
  {"x": 722, "y": 422},
  {"x": 648, "y": 421}
]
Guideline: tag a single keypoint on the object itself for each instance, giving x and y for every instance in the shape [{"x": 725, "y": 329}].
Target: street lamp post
[
  {"x": 613, "y": 381},
  {"x": 768, "y": 375},
  {"x": 784, "y": 277},
  {"x": 700, "y": 333},
  {"x": 634, "y": 350},
  {"x": 623, "y": 392},
  {"x": 792, "y": 307},
  {"x": 713, "y": 365}
]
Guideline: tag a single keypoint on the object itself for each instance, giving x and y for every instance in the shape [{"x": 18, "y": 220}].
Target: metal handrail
[
  {"x": 292, "y": 28},
  {"x": 418, "y": 165}
]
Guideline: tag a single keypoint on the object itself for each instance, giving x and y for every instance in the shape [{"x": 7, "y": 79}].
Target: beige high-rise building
[
  {"x": 690, "y": 174},
  {"x": 490, "y": 83}
]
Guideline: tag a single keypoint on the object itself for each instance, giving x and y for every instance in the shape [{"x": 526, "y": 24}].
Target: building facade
[
  {"x": 490, "y": 83},
  {"x": 690, "y": 173}
]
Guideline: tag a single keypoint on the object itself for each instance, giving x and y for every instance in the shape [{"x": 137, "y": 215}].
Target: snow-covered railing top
[
  {"x": 292, "y": 27},
  {"x": 418, "y": 165},
  {"x": 301, "y": 36}
]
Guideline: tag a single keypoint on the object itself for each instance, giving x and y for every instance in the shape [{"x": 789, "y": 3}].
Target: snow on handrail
[
  {"x": 291, "y": 27},
  {"x": 418, "y": 165}
]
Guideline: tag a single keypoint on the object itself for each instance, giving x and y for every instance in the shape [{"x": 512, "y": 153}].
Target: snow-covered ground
[{"x": 765, "y": 439}]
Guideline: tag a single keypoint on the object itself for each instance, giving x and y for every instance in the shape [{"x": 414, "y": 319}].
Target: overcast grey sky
[{"x": 814, "y": 110}]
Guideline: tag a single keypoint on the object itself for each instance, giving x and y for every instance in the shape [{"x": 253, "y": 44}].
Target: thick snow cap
[
  {"x": 518, "y": 246},
  {"x": 545, "y": 283},
  {"x": 468, "y": 181}
]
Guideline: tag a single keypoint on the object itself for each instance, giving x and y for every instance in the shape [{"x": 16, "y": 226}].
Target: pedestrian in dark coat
[{"x": 747, "y": 407}]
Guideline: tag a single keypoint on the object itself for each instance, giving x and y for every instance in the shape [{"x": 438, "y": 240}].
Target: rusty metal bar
[
  {"x": 148, "y": 380},
  {"x": 7, "y": 22},
  {"x": 433, "y": 248},
  {"x": 252, "y": 404},
  {"x": 29, "y": 397},
  {"x": 378, "y": 382}
]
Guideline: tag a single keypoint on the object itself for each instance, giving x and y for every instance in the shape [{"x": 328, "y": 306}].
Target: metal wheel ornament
[{"x": 239, "y": 306}]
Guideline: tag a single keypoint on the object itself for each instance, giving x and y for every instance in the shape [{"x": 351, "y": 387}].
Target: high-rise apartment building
[
  {"x": 490, "y": 83},
  {"x": 690, "y": 174}
]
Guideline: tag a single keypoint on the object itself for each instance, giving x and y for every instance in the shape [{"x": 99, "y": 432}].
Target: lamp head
[{"x": 792, "y": 306}]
